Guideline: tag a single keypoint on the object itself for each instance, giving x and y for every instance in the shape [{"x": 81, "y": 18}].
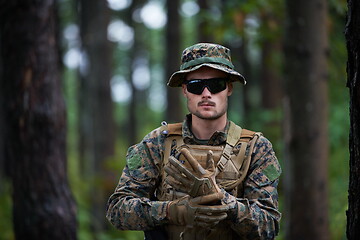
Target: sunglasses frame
[{"x": 209, "y": 83}]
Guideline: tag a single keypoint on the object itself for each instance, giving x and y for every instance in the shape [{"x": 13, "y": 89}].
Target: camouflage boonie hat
[{"x": 205, "y": 54}]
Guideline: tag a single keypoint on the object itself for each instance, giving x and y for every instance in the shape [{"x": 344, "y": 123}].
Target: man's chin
[{"x": 207, "y": 116}]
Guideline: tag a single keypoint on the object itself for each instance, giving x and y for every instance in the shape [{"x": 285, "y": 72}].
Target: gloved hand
[
  {"x": 198, "y": 182},
  {"x": 192, "y": 212}
]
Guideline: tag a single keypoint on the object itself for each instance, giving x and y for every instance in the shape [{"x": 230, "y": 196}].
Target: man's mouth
[{"x": 206, "y": 104}]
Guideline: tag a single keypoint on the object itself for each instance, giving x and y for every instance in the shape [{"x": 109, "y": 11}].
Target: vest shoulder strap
[
  {"x": 234, "y": 134},
  {"x": 237, "y": 134},
  {"x": 175, "y": 128},
  {"x": 247, "y": 135},
  {"x": 171, "y": 129},
  {"x": 173, "y": 132},
  {"x": 242, "y": 137}
]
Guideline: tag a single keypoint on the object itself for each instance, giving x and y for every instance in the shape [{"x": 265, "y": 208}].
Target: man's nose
[{"x": 206, "y": 92}]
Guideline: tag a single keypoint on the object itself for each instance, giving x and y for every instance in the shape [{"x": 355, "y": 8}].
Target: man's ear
[
  {"x": 184, "y": 89},
  {"x": 230, "y": 88}
]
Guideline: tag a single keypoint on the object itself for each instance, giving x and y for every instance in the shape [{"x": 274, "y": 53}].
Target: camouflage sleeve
[
  {"x": 131, "y": 206},
  {"x": 257, "y": 211}
]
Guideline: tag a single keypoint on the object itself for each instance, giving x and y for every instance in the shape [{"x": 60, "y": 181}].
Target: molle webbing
[
  {"x": 232, "y": 139},
  {"x": 174, "y": 132}
]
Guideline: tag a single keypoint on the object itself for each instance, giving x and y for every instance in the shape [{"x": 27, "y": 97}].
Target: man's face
[{"x": 207, "y": 105}]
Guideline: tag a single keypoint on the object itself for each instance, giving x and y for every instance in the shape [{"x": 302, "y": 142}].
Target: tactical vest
[{"x": 232, "y": 161}]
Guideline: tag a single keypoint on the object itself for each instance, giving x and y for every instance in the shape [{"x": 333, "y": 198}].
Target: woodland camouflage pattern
[
  {"x": 134, "y": 205},
  {"x": 204, "y": 50}
]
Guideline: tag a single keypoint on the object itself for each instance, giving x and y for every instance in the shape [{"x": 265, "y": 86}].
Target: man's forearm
[
  {"x": 261, "y": 221},
  {"x": 129, "y": 213}
]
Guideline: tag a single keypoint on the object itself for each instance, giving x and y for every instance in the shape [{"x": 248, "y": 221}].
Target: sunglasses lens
[
  {"x": 215, "y": 85},
  {"x": 195, "y": 86}
]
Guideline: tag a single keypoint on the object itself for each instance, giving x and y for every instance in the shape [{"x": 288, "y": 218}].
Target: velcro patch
[
  {"x": 133, "y": 159},
  {"x": 271, "y": 172},
  {"x": 134, "y": 162}
]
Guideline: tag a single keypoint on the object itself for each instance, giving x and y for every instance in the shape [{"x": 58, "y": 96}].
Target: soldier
[{"x": 205, "y": 178}]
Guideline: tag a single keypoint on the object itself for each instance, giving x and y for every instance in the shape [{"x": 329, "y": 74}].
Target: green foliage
[{"x": 6, "y": 227}]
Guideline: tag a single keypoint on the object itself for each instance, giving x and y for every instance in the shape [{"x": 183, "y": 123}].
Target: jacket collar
[{"x": 218, "y": 138}]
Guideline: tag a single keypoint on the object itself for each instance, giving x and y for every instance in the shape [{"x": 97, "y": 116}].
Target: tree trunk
[
  {"x": 174, "y": 112},
  {"x": 2, "y": 119},
  {"x": 249, "y": 76},
  {"x": 306, "y": 140},
  {"x": 96, "y": 122},
  {"x": 352, "y": 34},
  {"x": 204, "y": 22},
  {"x": 35, "y": 132},
  {"x": 270, "y": 71}
]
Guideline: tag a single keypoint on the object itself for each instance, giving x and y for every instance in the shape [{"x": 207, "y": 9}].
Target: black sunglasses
[{"x": 215, "y": 85}]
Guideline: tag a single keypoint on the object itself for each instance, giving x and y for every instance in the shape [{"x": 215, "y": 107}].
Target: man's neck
[{"x": 204, "y": 129}]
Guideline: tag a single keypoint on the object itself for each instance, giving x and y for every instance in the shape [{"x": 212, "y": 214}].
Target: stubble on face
[{"x": 215, "y": 115}]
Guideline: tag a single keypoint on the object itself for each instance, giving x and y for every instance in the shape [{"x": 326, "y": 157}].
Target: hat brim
[{"x": 177, "y": 78}]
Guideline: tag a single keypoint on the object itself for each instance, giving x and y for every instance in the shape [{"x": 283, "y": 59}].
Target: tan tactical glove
[
  {"x": 197, "y": 182},
  {"x": 192, "y": 212}
]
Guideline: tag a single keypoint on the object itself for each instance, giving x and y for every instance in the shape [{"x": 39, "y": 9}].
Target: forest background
[{"x": 117, "y": 57}]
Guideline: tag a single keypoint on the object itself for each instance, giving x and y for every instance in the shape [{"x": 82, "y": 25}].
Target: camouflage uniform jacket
[{"x": 134, "y": 206}]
